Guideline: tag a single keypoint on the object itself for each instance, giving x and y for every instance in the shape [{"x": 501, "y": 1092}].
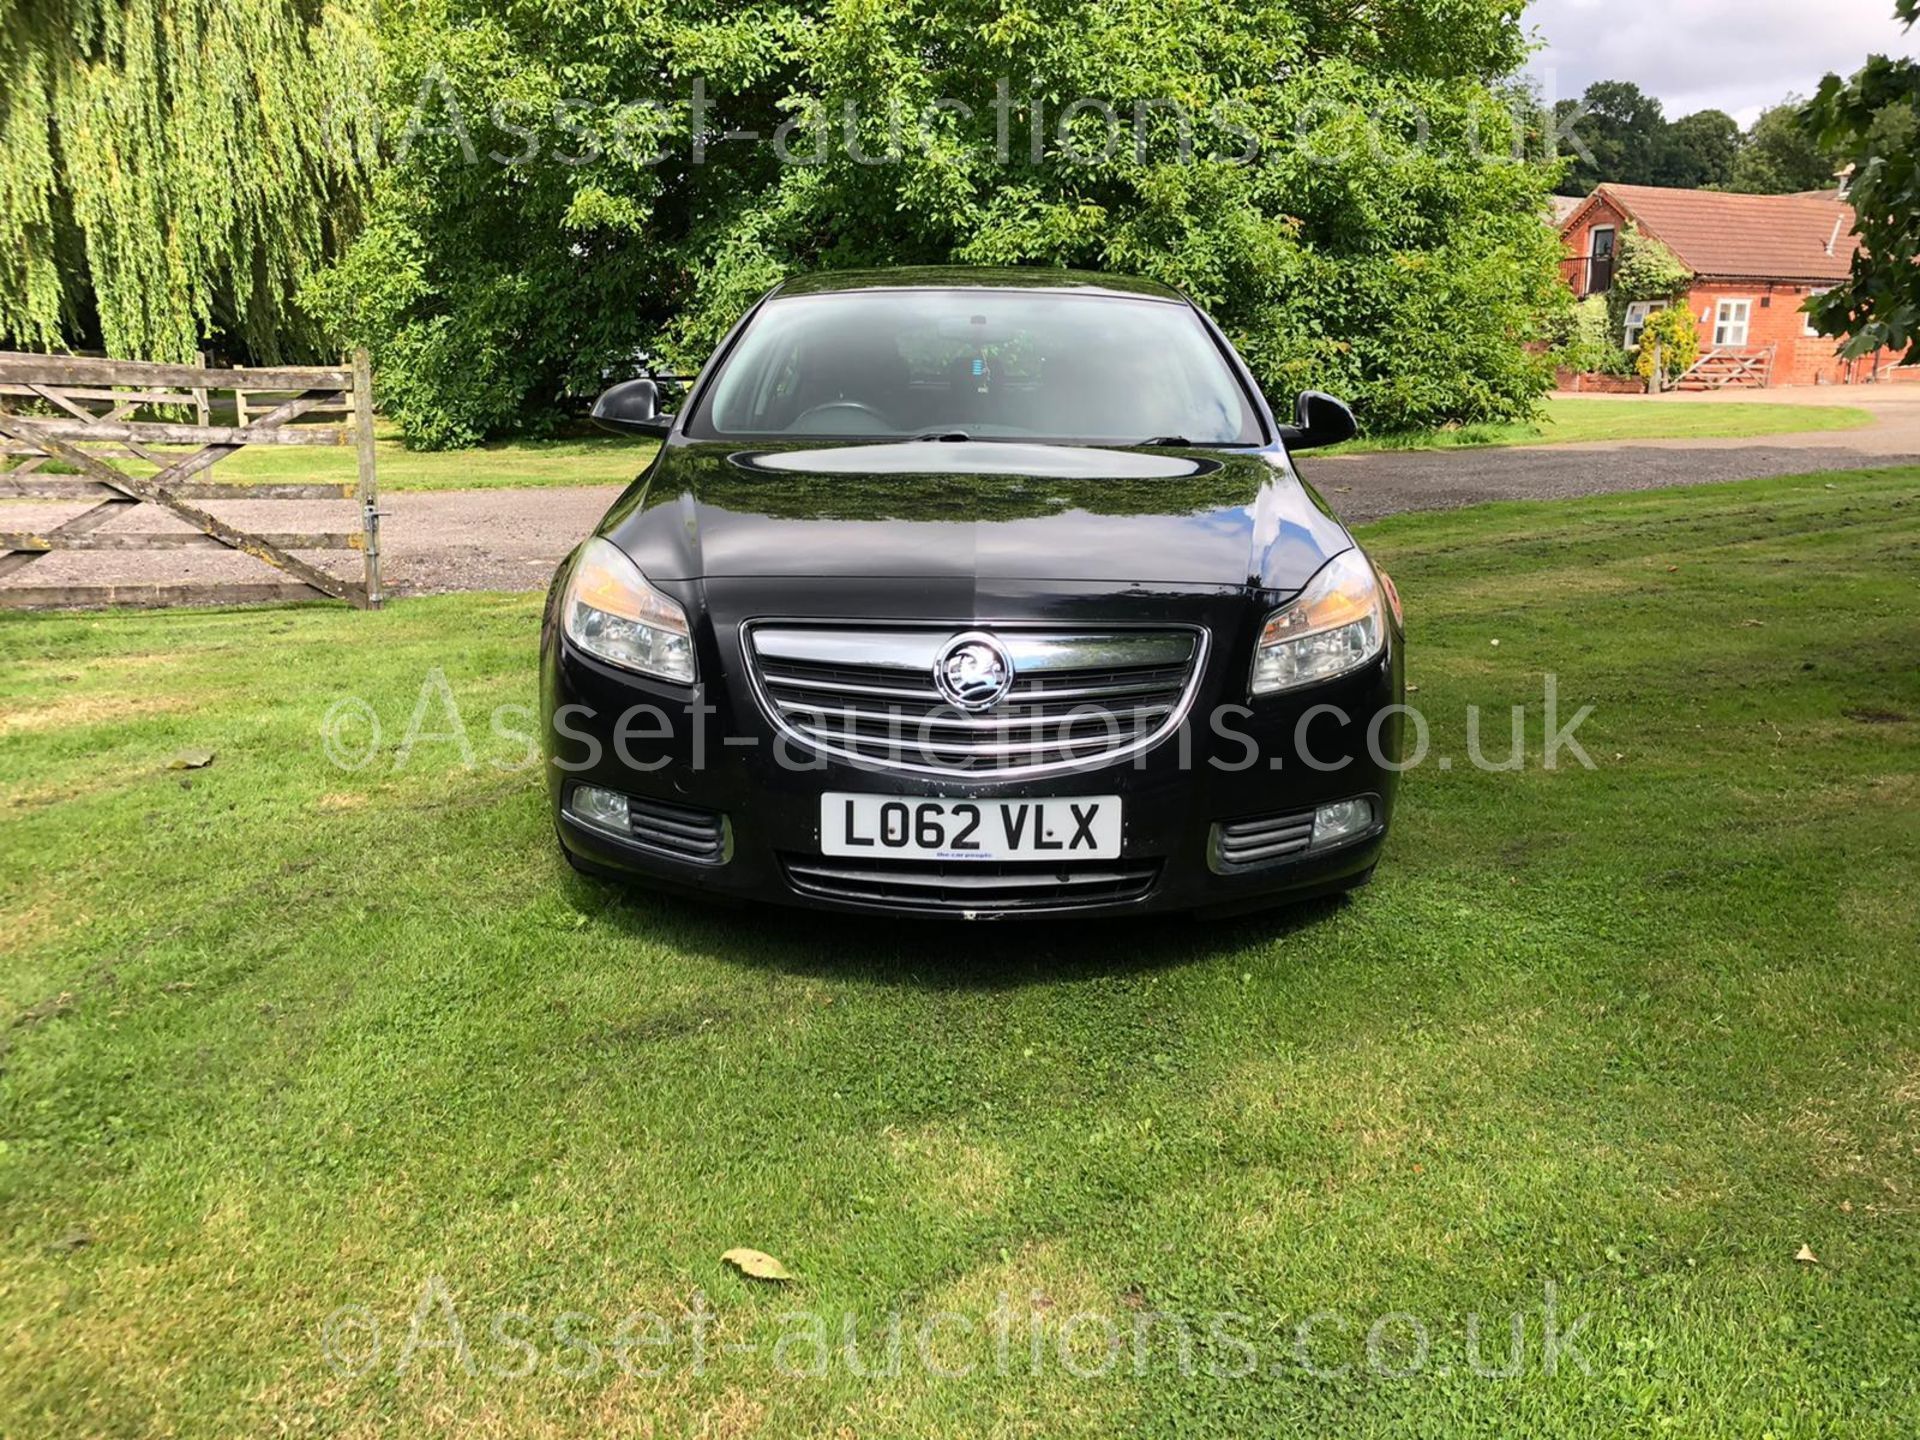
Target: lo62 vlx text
[{"x": 983, "y": 593}]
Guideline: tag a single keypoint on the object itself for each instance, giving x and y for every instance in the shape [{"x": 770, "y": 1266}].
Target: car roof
[{"x": 964, "y": 277}]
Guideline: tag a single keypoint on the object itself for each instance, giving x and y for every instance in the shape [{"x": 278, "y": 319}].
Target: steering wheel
[{"x": 832, "y": 416}]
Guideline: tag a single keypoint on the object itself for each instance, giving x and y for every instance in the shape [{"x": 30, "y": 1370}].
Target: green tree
[
  {"x": 1620, "y": 134},
  {"x": 1781, "y": 157},
  {"x": 1350, "y": 208},
  {"x": 1873, "y": 123},
  {"x": 1699, "y": 151},
  {"x": 170, "y": 168}
]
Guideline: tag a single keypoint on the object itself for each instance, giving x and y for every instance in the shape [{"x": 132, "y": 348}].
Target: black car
[{"x": 981, "y": 593}]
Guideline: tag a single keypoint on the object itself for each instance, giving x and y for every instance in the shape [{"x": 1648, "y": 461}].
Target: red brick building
[{"x": 1754, "y": 258}]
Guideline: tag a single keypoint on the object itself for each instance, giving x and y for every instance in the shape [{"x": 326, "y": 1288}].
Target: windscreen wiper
[
  {"x": 943, "y": 435},
  {"x": 1166, "y": 440}
]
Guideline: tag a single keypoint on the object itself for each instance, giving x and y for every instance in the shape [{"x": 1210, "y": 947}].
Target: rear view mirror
[
  {"x": 632, "y": 408},
  {"x": 1318, "y": 419}
]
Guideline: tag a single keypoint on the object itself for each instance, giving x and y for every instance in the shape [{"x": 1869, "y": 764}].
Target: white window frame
[
  {"x": 1806, "y": 320},
  {"x": 1638, "y": 313},
  {"x": 1725, "y": 325},
  {"x": 1613, "y": 255}
]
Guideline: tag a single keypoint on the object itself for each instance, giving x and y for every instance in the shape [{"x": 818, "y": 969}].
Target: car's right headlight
[
  {"x": 1335, "y": 624},
  {"x": 612, "y": 613}
]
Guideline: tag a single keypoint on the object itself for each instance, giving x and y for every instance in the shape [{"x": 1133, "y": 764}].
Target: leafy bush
[
  {"x": 1382, "y": 241},
  {"x": 1672, "y": 333},
  {"x": 1647, "y": 270},
  {"x": 1587, "y": 343}
]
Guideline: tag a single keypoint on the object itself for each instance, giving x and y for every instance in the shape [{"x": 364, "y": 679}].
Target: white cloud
[{"x": 1734, "y": 55}]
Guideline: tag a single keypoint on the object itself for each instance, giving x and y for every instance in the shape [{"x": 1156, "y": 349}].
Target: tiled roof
[{"x": 1748, "y": 237}]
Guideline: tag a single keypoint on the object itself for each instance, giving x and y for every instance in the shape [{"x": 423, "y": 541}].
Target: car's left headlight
[
  {"x": 612, "y": 613},
  {"x": 1336, "y": 624}
]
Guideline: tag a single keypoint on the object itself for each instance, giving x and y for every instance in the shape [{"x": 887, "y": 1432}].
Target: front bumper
[{"x": 716, "y": 753}]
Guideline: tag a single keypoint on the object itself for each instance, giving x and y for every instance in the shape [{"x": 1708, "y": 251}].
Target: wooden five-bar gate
[{"x": 71, "y": 430}]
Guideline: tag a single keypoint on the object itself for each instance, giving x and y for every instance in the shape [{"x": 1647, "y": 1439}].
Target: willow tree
[{"x": 170, "y": 169}]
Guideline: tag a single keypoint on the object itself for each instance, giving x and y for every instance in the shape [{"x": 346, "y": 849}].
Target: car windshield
[{"x": 977, "y": 365}]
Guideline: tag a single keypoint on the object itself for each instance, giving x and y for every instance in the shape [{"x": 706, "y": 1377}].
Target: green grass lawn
[
  {"x": 589, "y": 459},
  {"x": 608, "y": 460},
  {"x": 1565, "y": 421},
  {"x": 281, "y": 1039}
]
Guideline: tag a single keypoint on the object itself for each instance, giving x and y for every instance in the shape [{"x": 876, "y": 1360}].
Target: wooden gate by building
[{"x": 69, "y": 431}]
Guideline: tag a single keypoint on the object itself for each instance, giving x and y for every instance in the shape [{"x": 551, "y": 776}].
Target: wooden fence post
[
  {"x": 363, "y": 447},
  {"x": 203, "y": 413}
]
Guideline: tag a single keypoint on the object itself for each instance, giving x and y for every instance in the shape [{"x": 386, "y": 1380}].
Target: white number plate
[{"x": 1074, "y": 827}]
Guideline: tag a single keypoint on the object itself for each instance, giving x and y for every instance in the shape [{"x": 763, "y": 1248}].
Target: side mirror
[
  {"x": 1318, "y": 419},
  {"x": 632, "y": 408}
]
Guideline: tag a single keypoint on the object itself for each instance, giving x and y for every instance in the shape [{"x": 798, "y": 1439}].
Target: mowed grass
[
  {"x": 1565, "y": 420},
  {"x": 585, "y": 459},
  {"x": 592, "y": 459},
  {"x": 282, "y": 1038}
]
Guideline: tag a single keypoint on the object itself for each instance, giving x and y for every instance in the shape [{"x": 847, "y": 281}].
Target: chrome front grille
[{"x": 1077, "y": 699}]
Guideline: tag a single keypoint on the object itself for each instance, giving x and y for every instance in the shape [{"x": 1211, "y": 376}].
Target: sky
[{"x": 1735, "y": 55}]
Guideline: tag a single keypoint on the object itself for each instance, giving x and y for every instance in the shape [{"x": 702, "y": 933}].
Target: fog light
[
  {"x": 1341, "y": 820},
  {"x": 604, "y": 808}
]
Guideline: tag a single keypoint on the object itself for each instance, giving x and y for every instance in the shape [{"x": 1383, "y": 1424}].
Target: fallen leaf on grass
[
  {"x": 191, "y": 760},
  {"x": 756, "y": 1264},
  {"x": 1806, "y": 1256}
]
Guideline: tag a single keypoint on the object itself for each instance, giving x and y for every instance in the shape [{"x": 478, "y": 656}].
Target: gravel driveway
[
  {"x": 511, "y": 539},
  {"x": 1366, "y": 487}
]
